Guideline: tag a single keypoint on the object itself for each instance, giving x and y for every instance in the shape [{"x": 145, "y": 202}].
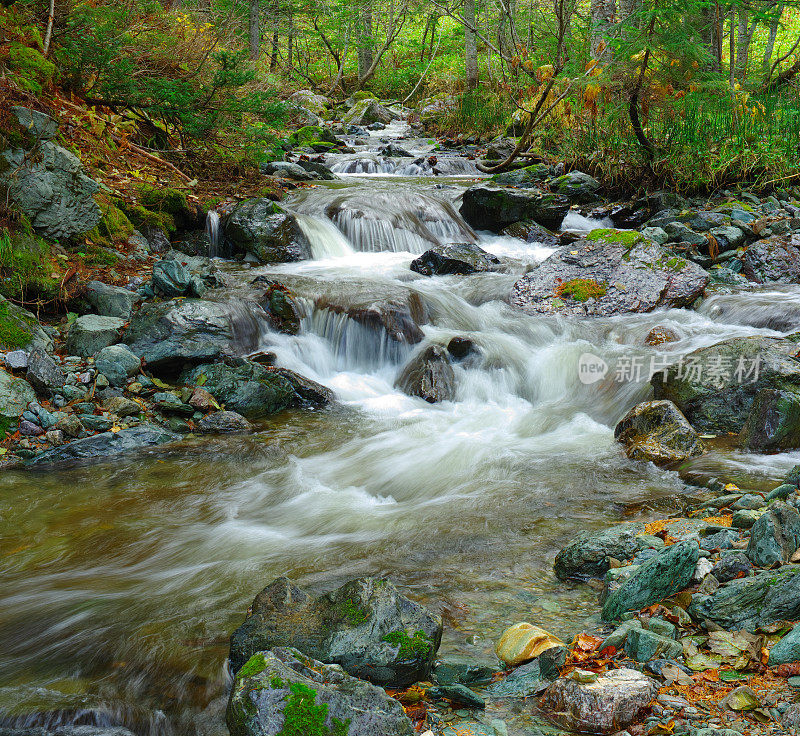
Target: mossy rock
[
  {"x": 729, "y": 206},
  {"x": 29, "y": 68},
  {"x": 27, "y": 268},
  {"x": 18, "y": 327},
  {"x": 142, "y": 217},
  {"x": 581, "y": 290},
  {"x": 628, "y": 238},
  {"x": 114, "y": 225},
  {"x": 311, "y": 135},
  {"x": 171, "y": 202}
]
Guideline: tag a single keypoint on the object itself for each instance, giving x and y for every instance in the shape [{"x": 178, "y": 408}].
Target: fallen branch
[{"x": 150, "y": 157}]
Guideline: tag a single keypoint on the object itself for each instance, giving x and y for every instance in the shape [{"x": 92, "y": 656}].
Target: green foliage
[
  {"x": 582, "y": 290},
  {"x": 411, "y": 647},
  {"x": 302, "y": 717},
  {"x": 29, "y": 68}
]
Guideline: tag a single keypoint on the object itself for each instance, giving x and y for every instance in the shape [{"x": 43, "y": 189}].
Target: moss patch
[
  {"x": 353, "y": 613},
  {"x": 253, "y": 666},
  {"x": 29, "y": 68},
  {"x": 171, "y": 201},
  {"x": 14, "y": 333},
  {"x": 728, "y": 206},
  {"x": 628, "y": 238},
  {"x": 26, "y": 268},
  {"x": 411, "y": 647},
  {"x": 114, "y": 225},
  {"x": 141, "y": 217},
  {"x": 303, "y": 717},
  {"x": 581, "y": 290}
]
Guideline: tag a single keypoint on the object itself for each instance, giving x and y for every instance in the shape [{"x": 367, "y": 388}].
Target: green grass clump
[
  {"x": 303, "y": 717},
  {"x": 582, "y": 290},
  {"x": 411, "y": 647},
  {"x": 29, "y": 68}
]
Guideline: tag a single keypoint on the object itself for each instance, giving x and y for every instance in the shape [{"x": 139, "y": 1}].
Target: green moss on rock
[
  {"x": 14, "y": 332},
  {"x": 254, "y": 666},
  {"x": 29, "y": 68},
  {"x": 411, "y": 647},
  {"x": 628, "y": 238},
  {"x": 114, "y": 225},
  {"x": 582, "y": 290},
  {"x": 303, "y": 717}
]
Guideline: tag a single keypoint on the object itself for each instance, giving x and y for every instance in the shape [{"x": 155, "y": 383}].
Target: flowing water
[{"x": 122, "y": 580}]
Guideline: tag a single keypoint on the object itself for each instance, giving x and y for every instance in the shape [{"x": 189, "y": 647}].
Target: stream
[{"x": 122, "y": 580}]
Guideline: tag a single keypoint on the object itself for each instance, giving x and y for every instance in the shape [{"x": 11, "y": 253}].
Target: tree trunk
[
  {"x": 602, "y": 14},
  {"x": 773, "y": 35},
  {"x": 746, "y": 31},
  {"x": 273, "y": 58},
  {"x": 254, "y": 30},
  {"x": 470, "y": 46},
  {"x": 366, "y": 44},
  {"x": 732, "y": 48}
]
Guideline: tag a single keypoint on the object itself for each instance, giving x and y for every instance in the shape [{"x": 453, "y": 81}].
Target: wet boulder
[
  {"x": 657, "y": 432},
  {"x": 576, "y": 187},
  {"x": 307, "y": 393},
  {"x": 601, "y": 704},
  {"x": 717, "y": 395},
  {"x": 166, "y": 335},
  {"x": 247, "y": 388},
  {"x": 262, "y": 229},
  {"x": 173, "y": 278},
  {"x": 773, "y": 259},
  {"x": 787, "y": 650},
  {"x": 531, "y": 232},
  {"x": 500, "y": 149},
  {"x": 454, "y": 258},
  {"x": 489, "y": 207},
  {"x": 609, "y": 272},
  {"x": 368, "y": 111},
  {"x": 92, "y": 332},
  {"x": 773, "y": 424},
  {"x": 281, "y": 307},
  {"x": 15, "y": 395},
  {"x": 367, "y": 626},
  {"x": 428, "y": 375},
  {"x": 289, "y": 170},
  {"x": 775, "y": 536},
  {"x": 751, "y": 602},
  {"x": 661, "y": 335},
  {"x": 117, "y": 363},
  {"x": 105, "y": 445},
  {"x": 589, "y": 555},
  {"x": 669, "y": 572},
  {"x": 224, "y": 422},
  {"x": 283, "y": 691},
  {"x": 43, "y": 373}
]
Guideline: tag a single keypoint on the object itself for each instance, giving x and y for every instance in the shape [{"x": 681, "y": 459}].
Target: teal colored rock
[
  {"x": 775, "y": 537},
  {"x": 642, "y": 646},
  {"x": 618, "y": 637},
  {"x": 463, "y": 673},
  {"x": 748, "y": 603},
  {"x": 261, "y": 228},
  {"x": 283, "y": 691},
  {"x": 793, "y": 476},
  {"x": 662, "y": 627},
  {"x": 588, "y": 555},
  {"x": 117, "y": 363},
  {"x": 774, "y": 421},
  {"x": 787, "y": 650},
  {"x": 111, "y": 301},
  {"x": 745, "y": 518},
  {"x": 15, "y": 395},
  {"x": 781, "y": 493},
  {"x": 457, "y": 694},
  {"x": 655, "y": 580}
]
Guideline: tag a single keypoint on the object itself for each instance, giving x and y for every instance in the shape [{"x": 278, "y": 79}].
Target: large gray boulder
[
  {"x": 245, "y": 387},
  {"x": 719, "y": 401},
  {"x": 49, "y": 184},
  {"x": 117, "y": 363},
  {"x": 660, "y": 577},
  {"x": 588, "y": 556},
  {"x": 367, "y": 626},
  {"x": 576, "y": 186},
  {"x": 773, "y": 259},
  {"x": 92, "y": 332},
  {"x": 428, "y": 375},
  {"x": 752, "y": 602},
  {"x": 490, "y": 207},
  {"x": 657, "y": 432},
  {"x": 105, "y": 445},
  {"x": 775, "y": 536},
  {"x": 111, "y": 301},
  {"x": 283, "y": 691},
  {"x": 261, "y": 228},
  {"x": 43, "y": 373},
  {"x": 773, "y": 424},
  {"x": 366, "y": 112},
  {"x": 600, "y": 704},
  {"x": 15, "y": 395},
  {"x": 609, "y": 272},
  {"x": 166, "y": 335}
]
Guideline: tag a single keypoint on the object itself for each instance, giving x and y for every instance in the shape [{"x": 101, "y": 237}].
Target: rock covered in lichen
[
  {"x": 285, "y": 692},
  {"x": 367, "y": 626}
]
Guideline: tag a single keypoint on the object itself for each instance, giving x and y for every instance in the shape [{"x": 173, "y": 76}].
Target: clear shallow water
[{"x": 122, "y": 580}]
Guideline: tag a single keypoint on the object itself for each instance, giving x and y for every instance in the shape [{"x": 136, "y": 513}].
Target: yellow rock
[{"x": 523, "y": 642}]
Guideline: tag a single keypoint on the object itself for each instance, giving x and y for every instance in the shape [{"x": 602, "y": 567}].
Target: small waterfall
[
  {"x": 212, "y": 230},
  {"x": 326, "y": 240},
  {"x": 375, "y": 164}
]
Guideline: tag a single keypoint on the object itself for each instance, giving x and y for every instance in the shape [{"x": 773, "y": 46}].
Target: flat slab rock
[
  {"x": 623, "y": 271},
  {"x": 608, "y": 704}
]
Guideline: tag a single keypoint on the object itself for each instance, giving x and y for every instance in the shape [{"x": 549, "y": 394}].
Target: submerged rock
[
  {"x": 719, "y": 396},
  {"x": 606, "y": 704},
  {"x": 105, "y": 445},
  {"x": 366, "y": 626},
  {"x": 428, "y": 375},
  {"x": 282, "y": 691},
  {"x": 589, "y": 554},
  {"x": 657, "y": 432},
  {"x": 454, "y": 258},
  {"x": 263, "y": 229},
  {"x": 489, "y": 207},
  {"x": 610, "y": 272}
]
